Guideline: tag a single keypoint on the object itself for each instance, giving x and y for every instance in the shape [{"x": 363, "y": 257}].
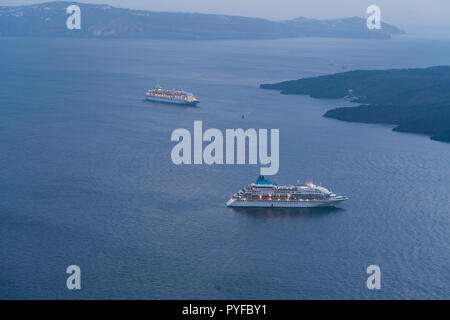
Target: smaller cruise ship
[
  {"x": 182, "y": 97},
  {"x": 264, "y": 193}
]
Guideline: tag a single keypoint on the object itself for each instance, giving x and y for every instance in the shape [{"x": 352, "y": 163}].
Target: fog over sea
[{"x": 86, "y": 176}]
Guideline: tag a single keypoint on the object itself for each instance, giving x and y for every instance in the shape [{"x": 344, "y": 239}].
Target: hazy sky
[{"x": 416, "y": 16}]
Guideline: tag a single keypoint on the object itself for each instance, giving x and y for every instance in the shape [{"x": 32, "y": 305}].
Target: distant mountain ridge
[
  {"x": 49, "y": 19},
  {"x": 416, "y": 100}
]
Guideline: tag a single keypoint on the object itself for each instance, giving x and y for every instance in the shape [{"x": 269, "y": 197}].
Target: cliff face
[
  {"x": 49, "y": 19},
  {"x": 416, "y": 100}
]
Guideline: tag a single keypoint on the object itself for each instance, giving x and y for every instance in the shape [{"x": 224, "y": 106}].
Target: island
[
  {"x": 416, "y": 100},
  {"x": 104, "y": 21}
]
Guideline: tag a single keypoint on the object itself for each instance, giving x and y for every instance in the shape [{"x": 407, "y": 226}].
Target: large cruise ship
[
  {"x": 159, "y": 94},
  {"x": 264, "y": 193}
]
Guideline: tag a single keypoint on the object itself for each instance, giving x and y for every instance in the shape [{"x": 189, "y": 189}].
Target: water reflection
[{"x": 285, "y": 212}]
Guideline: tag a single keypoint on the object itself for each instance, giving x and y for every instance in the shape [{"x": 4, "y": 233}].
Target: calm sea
[{"x": 86, "y": 176}]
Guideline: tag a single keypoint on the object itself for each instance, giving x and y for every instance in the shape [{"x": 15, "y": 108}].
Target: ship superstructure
[
  {"x": 182, "y": 97},
  {"x": 264, "y": 193}
]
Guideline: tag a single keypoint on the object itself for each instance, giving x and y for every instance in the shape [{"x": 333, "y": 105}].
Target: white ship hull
[
  {"x": 284, "y": 204},
  {"x": 266, "y": 194},
  {"x": 172, "y": 101}
]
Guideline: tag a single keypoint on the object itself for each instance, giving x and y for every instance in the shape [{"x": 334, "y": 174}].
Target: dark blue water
[{"x": 86, "y": 176}]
